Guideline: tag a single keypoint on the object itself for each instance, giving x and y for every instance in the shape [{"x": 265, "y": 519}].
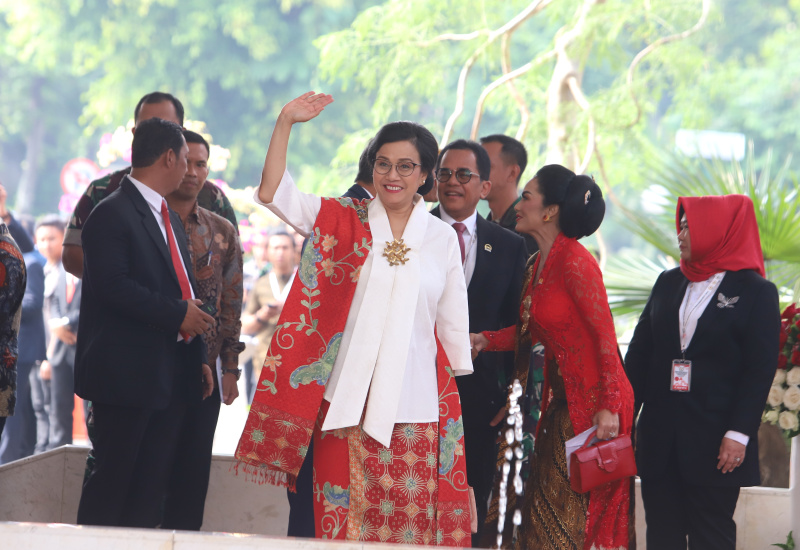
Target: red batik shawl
[
  {"x": 301, "y": 356},
  {"x": 401, "y": 494},
  {"x": 566, "y": 310}
]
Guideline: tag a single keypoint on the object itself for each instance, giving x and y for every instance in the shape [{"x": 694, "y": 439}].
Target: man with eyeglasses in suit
[{"x": 493, "y": 260}]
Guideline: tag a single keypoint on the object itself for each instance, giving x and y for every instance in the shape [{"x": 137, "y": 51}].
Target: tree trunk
[{"x": 26, "y": 192}]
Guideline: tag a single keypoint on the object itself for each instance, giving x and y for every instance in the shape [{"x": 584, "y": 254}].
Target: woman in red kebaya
[
  {"x": 565, "y": 307},
  {"x": 701, "y": 362}
]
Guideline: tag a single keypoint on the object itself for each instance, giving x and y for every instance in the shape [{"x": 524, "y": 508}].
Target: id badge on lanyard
[{"x": 681, "y": 375}]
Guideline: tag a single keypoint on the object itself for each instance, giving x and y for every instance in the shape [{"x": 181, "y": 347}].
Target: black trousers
[
  {"x": 301, "y": 503},
  {"x": 188, "y": 484},
  {"x": 676, "y": 510},
  {"x": 134, "y": 450},
  {"x": 480, "y": 450}
]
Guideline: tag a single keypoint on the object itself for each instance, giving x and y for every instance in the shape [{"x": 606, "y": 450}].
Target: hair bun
[{"x": 583, "y": 208}]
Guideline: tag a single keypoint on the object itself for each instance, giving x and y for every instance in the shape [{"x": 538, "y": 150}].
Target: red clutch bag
[{"x": 606, "y": 461}]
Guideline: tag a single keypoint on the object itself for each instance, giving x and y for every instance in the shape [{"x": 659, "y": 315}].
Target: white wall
[{"x": 46, "y": 488}]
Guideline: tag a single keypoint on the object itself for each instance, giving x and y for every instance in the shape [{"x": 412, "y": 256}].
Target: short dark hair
[
  {"x": 51, "y": 220},
  {"x": 152, "y": 139},
  {"x": 481, "y": 156},
  {"x": 194, "y": 137},
  {"x": 281, "y": 233},
  {"x": 417, "y": 135},
  {"x": 364, "y": 166},
  {"x": 512, "y": 150},
  {"x": 159, "y": 97},
  {"x": 579, "y": 198}
]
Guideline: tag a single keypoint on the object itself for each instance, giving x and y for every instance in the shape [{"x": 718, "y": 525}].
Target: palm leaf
[
  {"x": 776, "y": 199},
  {"x": 629, "y": 280}
]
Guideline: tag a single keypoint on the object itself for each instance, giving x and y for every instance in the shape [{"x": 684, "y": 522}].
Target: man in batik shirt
[
  {"x": 12, "y": 289},
  {"x": 217, "y": 257},
  {"x": 153, "y": 105}
]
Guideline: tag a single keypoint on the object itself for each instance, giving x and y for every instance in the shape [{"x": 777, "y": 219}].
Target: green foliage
[
  {"x": 410, "y": 55},
  {"x": 789, "y": 545},
  {"x": 233, "y": 63},
  {"x": 629, "y": 278},
  {"x": 777, "y": 207}
]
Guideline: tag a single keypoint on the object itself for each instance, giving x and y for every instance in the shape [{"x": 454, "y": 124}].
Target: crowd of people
[{"x": 383, "y": 337}]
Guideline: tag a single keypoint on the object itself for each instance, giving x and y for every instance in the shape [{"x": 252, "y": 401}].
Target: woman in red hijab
[{"x": 701, "y": 362}]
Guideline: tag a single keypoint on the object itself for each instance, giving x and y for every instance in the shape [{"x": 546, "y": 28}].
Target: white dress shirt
[
  {"x": 394, "y": 334},
  {"x": 470, "y": 237},
  {"x": 695, "y": 301},
  {"x": 153, "y": 200}
]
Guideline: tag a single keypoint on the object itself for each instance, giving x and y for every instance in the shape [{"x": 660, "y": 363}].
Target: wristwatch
[{"x": 237, "y": 372}]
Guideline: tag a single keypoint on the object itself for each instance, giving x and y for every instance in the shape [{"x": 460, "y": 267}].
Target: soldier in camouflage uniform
[{"x": 153, "y": 105}]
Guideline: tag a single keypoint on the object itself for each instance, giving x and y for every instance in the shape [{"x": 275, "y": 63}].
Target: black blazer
[
  {"x": 32, "y": 337},
  {"x": 357, "y": 192},
  {"x": 131, "y": 309},
  {"x": 734, "y": 353},
  {"x": 61, "y": 353},
  {"x": 493, "y": 294}
]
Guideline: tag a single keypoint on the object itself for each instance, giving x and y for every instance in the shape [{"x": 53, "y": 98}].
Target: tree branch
[
  {"x": 655, "y": 45},
  {"x": 508, "y": 77},
  {"x": 565, "y": 68},
  {"x": 532, "y": 9},
  {"x": 583, "y": 103},
  {"x": 451, "y": 37},
  {"x": 524, "y": 112}
]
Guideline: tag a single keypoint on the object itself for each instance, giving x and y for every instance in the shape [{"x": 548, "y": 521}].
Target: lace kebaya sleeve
[
  {"x": 584, "y": 283},
  {"x": 501, "y": 340}
]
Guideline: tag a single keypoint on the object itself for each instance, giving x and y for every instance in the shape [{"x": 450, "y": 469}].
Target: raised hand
[
  {"x": 300, "y": 109},
  {"x": 305, "y": 107}
]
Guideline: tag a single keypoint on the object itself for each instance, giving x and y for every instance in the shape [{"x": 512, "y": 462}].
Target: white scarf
[{"x": 376, "y": 358}]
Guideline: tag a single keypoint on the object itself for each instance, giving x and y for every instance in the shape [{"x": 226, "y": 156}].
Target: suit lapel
[
  {"x": 150, "y": 224},
  {"x": 60, "y": 294},
  {"x": 729, "y": 288},
  {"x": 483, "y": 257}
]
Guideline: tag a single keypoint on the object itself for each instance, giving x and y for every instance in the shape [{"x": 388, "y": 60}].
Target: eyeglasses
[
  {"x": 404, "y": 168},
  {"x": 463, "y": 175}
]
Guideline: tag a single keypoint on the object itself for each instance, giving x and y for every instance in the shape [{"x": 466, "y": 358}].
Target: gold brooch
[{"x": 395, "y": 252}]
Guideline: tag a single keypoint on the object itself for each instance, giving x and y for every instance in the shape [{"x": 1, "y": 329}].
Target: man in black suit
[
  {"x": 363, "y": 187},
  {"x": 141, "y": 358},
  {"x": 53, "y": 388},
  {"x": 509, "y": 159},
  {"x": 494, "y": 264}
]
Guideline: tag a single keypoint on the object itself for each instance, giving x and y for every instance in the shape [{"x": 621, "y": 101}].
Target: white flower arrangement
[{"x": 783, "y": 402}]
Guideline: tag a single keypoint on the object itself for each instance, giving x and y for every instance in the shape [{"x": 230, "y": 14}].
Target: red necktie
[
  {"x": 460, "y": 228},
  {"x": 70, "y": 288},
  {"x": 180, "y": 270}
]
